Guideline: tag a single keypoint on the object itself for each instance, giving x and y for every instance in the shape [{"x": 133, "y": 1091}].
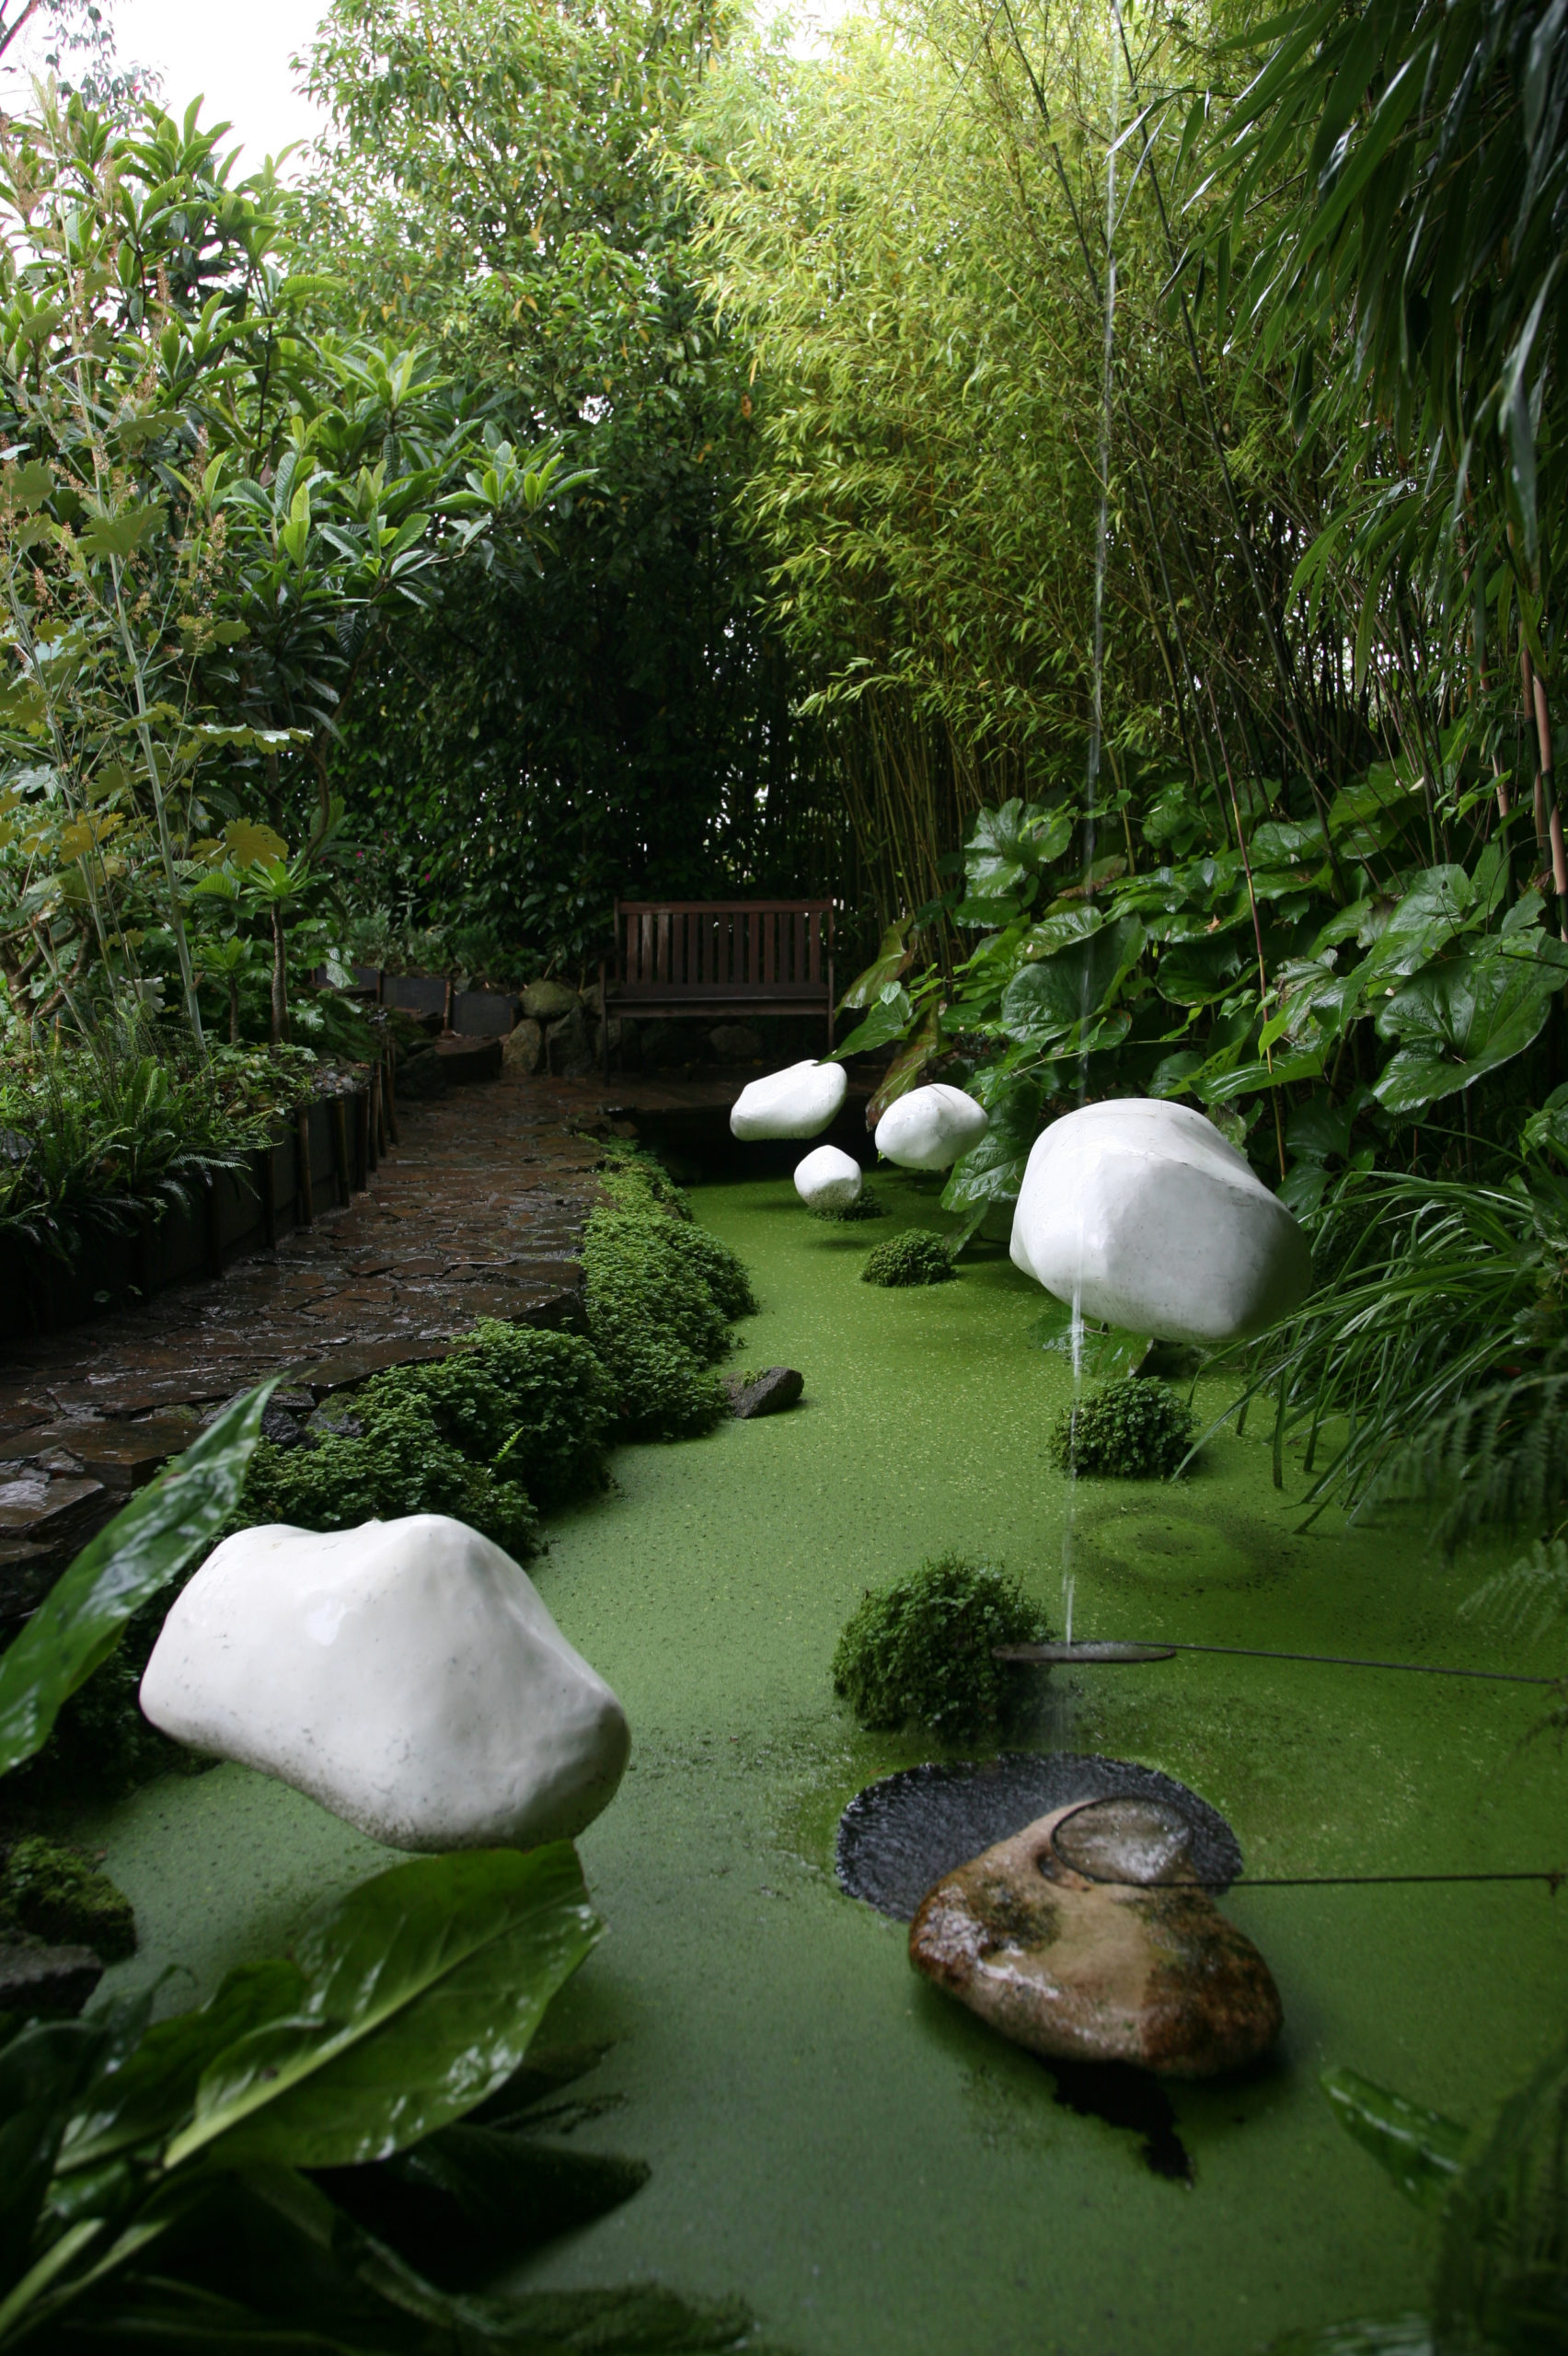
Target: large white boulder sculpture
[
  {"x": 931, "y": 1128},
  {"x": 828, "y": 1179},
  {"x": 405, "y": 1674},
  {"x": 1144, "y": 1211},
  {"x": 798, "y": 1102}
]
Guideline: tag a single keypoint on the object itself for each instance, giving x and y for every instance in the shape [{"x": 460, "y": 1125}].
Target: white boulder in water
[
  {"x": 405, "y": 1674},
  {"x": 1157, "y": 1224},
  {"x": 798, "y": 1102},
  {"x": 828, "y": 1179},
  {"x": 931, "y": 1128}
]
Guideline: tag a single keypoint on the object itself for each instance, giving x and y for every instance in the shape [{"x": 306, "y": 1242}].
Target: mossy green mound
[
  {"x": 915, "y": 1257},
  {"x": 922, "y": 1651},
  {"x": 660, "y": 1294},
  {"x": 513, "y": 1421},
  {"x": 53, "y": 1894},
  {"x": 1136, "y": 1428}
]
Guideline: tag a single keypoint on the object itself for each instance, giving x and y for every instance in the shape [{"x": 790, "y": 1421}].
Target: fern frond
[
  {"x": 1498, "y": 1458},
  {"x": 1529, "y": 1597}
]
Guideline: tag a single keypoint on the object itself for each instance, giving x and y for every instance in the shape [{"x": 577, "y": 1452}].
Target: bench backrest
[{"x": 735, "y": 949}]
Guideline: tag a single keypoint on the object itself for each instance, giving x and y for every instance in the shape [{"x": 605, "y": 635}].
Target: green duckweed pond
[{"x": 861, "y": 2160}]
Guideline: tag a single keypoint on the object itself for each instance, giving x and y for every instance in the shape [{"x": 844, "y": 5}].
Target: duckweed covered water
[{"x": 861, "y": 2160}]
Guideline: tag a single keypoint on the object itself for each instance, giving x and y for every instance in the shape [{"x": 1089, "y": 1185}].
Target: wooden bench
[{"x": 702, "y": 958}]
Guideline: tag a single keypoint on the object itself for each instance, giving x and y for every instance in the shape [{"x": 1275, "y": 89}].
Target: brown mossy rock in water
[{"x": 1085, "y": 1938}]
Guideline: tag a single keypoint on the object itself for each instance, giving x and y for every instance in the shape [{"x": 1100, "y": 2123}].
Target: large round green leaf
[
  {"x": 1465, "y": 1017},
  {"x": 1044, "y": 1000}
]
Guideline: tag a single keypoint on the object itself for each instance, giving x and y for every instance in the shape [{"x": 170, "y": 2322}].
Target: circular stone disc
[{"x": 899, "y": 1836}]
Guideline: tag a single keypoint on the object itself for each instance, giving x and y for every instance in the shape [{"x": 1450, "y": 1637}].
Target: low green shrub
[
  {"x": 539, "y": 1402},
  {"x": 53, "y": 1893},
  {"x": 660, "y": 1294},
  {"x": 398, "y": 1463},
  {"x": 434, "y": 1438},
  {"x": 863, "y": 1206},
  {"x": 915, "y": 1257},
  {"x": 921, "y": 1651},
  {"x": 1134, "y": 1429}
]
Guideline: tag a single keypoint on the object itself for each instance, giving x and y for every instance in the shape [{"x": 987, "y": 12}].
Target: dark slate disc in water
[{"x": 898, "y": 1837}]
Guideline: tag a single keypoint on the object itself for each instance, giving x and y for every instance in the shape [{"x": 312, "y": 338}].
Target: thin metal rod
[
  {"x": 1135, "y": 1648},
  {"x": 1555, "y": 1876},
  {"x": 1340, "y": 1660}
]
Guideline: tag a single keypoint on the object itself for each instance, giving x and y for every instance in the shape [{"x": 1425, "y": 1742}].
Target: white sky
[{"x": 235, "y": 51}]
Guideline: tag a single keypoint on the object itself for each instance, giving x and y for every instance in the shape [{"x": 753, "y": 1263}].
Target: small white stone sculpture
[
  {"x": 405, "y": 1674},
  {"x": 828, "y": 1179},
  {"x": 931, "y": 1128},
  {"x": 798, "y": 1102},
  {"x": 1159, "y": 1224}
]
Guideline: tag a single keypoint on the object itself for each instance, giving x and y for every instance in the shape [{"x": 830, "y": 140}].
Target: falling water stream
[{"x": 1091, "y": 782}]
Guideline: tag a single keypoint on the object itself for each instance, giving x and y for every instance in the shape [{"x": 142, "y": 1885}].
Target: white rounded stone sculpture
[
  {"x": 405, "y": 1674},
  {"x": 798, "y": 1102},
  {"x": 931, "y": 1128},
  {"x": 1159, "y": 1224},
  {"x": 828, "y": 1179}
]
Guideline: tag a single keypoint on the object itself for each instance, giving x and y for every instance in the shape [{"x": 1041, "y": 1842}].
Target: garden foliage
[
  {"x": 1501, "y": 2197},
  {"x": 304, "y": 2143},
  {"x": 921, "y": 1652},
  {"x": 915, "y": 1257},
  {"x": 661, "y": 1294},
  {"x": 1136, "y": 1428}
]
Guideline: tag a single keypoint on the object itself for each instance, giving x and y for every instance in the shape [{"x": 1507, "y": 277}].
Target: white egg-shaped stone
[
  {"x": 828, "y": 1179},
  {"x": 798, "y": 1102},
  {"x": 931, "y": 1128},
  {"x": 1146, "y": 1213},
  {"x": 405, "y": 1674}
]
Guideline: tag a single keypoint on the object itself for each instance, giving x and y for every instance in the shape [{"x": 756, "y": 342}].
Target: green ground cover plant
[
  {"x": 661, "y": 1294},
  {"x": 50, "y": 1893},
  {"x": 1136, "y": 1428},
  {"x": 915, "y": 1257},
  {"x": 921, "y": 1652}
]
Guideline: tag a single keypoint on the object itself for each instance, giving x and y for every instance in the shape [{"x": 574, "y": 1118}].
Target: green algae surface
[{"x": 860, "y": 2158}]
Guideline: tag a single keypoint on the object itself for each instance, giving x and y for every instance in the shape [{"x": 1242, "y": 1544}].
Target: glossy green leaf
[
  {"x": 992, "y": 1172},
  {"x": 1464, "y": 1017},
  {"x": 1422, "y": 2150},
  {"x": 163, "y": 1528},
  {"x": 892, "y": 960},
  {"x": 154, "y": 2094},
  {"x": 45, "y": 2070},
  {"x": 888, "y": 1020},
  {"x": 1195, "y": 973},
  {"x": 1011, "y": 845},
  {"x": 1044, "y": 1000},
  {"x": 1104, "y": 1351},
  {"x": 424, "y": 1988}
]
